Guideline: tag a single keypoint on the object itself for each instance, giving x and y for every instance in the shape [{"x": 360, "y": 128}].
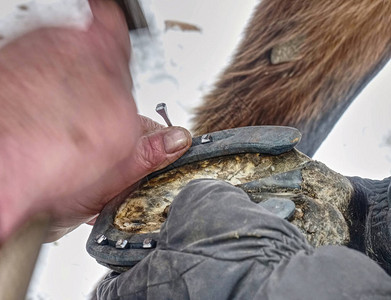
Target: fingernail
[{"x": 175, "y": 140}]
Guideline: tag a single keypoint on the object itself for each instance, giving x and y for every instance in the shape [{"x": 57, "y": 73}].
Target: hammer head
[{"x": 134, "y": 14}]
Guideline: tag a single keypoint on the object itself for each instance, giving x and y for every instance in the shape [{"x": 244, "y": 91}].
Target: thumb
[
  {"x": 153, "y": 151},
  {"x": 157, "y": 150}
]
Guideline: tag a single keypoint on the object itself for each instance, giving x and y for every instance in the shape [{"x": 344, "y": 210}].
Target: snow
[
  {"x": 20, "y": 16},
  {"x": 178, "y": 67}
]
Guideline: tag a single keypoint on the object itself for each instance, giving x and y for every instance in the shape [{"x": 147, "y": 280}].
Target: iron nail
[
  {"x": 206, "y": 138},
  {"x": 101, "y": 239},
  {"x": 147, "y": 243},
  {"x": 161, "y": 109},
  {"x": 121, "y": 244}
]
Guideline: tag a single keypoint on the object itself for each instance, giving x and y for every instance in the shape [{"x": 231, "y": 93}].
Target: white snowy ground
[{"x": 178, "y": 68}]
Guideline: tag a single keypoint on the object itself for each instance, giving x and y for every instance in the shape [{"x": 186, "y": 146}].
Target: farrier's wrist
[
  {"x": 11, "y": 209},
  {"x": 17, "y": 199}
]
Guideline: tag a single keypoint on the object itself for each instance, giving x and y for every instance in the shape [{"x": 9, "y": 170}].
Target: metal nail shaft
[{"x": 161, "y": 109}]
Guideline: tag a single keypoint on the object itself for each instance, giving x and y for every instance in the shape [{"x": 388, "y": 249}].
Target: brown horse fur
[{"x": 341, "y": 46}]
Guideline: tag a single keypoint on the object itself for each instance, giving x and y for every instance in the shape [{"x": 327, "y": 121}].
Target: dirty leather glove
[{"x": 371, "y": 219}]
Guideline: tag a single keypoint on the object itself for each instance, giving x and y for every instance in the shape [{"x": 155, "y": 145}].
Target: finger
[
  {"x": 92, "y": 221},
  {"x": 157, "y": 150},
  {"x": 148, "y": 125},
  {"x": 108, "y": 15}
]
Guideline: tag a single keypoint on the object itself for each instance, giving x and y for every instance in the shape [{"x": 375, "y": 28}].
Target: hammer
[{"x": 134, "y": 14}]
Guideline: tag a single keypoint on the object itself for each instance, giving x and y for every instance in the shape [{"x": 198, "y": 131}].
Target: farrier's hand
[{"x": 70, "y": 136}]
